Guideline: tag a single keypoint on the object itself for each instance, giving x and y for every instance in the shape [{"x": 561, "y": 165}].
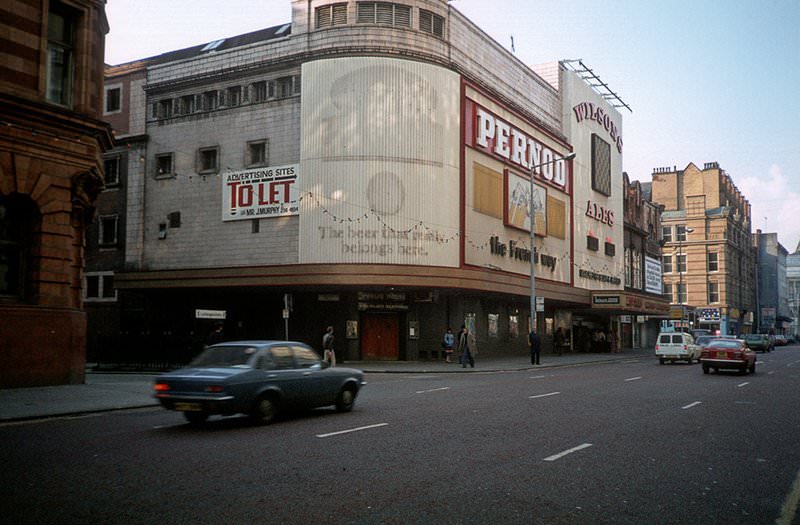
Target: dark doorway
[{"x": 380, "y": 336}]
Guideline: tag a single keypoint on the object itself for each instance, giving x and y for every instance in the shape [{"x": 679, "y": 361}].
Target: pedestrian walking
[
  {"x": 329, "y": 354},
  {"x": 464, "y": 350},
  {"x": 536, "y": 347},
  {"x": 448, "y": 340},
  {"x": 559, "y": 340}
]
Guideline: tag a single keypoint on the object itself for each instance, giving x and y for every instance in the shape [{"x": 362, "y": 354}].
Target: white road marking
[
  {"x": 351, "y": 430},
  {"x": 770, "y": 373},
  {"x": 630, "y": 362},
  {"x": 566, "y": 452},
  {"x": 690, "y": 405},
  {"x": 433, "y": 390},
  {"x": 537, "y": 377},
  {"x": 789, "y": 509},
  {"x": 740, "y": 385},
  {"x": 634, "y": 378},
  {"x": 544, "y": 395}
]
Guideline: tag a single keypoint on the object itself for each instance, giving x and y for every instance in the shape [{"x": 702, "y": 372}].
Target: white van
[{"x": 677, "y": 346}]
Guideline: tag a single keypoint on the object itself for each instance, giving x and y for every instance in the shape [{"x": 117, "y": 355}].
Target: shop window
[
  {"x": 108, "y": 230},
  {"x": 113, "y": 99},
  {"x": 17, "y": 221},
  {"x": 208, "y": 160},
  {"x": 431, "y": 23},
  {"x": 331, "y": 15},
  {"x": 601, "y": 165},
  {"x": 61, "y": 26}
]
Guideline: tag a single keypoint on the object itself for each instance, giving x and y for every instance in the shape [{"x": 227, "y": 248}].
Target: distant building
[
  {"x": 51, "y": 170},
  {"x": 793, "y": 288},
  {"x": 774, "y": 314},
  {"x": 708, "y": 255}
]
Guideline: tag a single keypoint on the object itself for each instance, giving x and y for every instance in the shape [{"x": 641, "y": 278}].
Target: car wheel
[
  {"x": 195, "y": 418},
  {"x": 661, "y": 361},
  {"x": 705, "y": 369},
  {"x": 265, "y": 410},
  {"x": 753, "y": 368},
  {"x": 346, "y": 399}
]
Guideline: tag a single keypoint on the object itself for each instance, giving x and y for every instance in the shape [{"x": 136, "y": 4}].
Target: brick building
[
  {"x": 51, "y": 142},
  {"x": 709, "y": 260}
]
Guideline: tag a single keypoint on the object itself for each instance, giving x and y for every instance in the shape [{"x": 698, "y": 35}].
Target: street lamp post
[
  {"x": 532, "y": 211},
  {"x": 686, "y": 231}
]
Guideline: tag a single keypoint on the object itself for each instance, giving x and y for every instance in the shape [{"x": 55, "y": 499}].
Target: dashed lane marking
[
  {"x": 544, "y": 395},
  {"x": 560, "y": 455},
  {"x": 740, "y": 385},
  {"x": 433, "y": 390},
  {"x": 690, "y": 405},
  {"x": 634, "y": 378},
  {"x": 329, "y": 434}
]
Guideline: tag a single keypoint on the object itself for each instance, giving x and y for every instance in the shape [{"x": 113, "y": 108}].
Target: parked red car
[{"x": 728, "y": 354}]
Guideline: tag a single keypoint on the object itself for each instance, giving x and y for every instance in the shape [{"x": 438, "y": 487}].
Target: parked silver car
[{"x": 257, "y": 378}]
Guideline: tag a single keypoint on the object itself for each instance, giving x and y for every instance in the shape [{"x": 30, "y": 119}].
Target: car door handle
[
  {"x": 306, "y": 373},
  {"x": 272, "y": 376}
]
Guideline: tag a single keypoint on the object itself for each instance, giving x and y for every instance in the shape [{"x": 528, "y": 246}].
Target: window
[
  {"x": 628, "y": 266},
  {"x": 285, "y": 86},
  {"x": 258, "y": 91},
  {"x": 233, "y": 96},
  {"x": 305, "y": 357},
  {"x": 666, "y": 233},
  {"x": 257, "y": 153},
  {"x": 162, "y": 109},
  {"x": 592, "y": 243},
  {"x": 99, "y": 286},
  {"x": 713, "y": 262},
  {"x": 681, "y": 262},
  {"x": 713, "y": 293},
  {"x": 164, "y": 165},
  {"x": 331, "y": 15},
  {"x": 601, "y": 165},
  {"x": 666, "y": 263},
  {"x": 186, "y": 105},
  {"x": 680, "y": 233},
  {"x": 668, "y": 292},
  {"x": 282, "y": 357},
  {"x": 111, "y": 168},
  {"x": 638, "y": 274},
  {"x": 208, "y": 160},
  {"x": 61, "y": 24},
  {"x": 431, "y": 23},
  {"x": 210, "y": 100},
  {"x": 108, "y": 230},
  {"x": 17, "y": 219},
  {"x": 384, "y": 13},
  {"x": 174, "y": 219},
  {"x": 610, "y": 249},
  {"x": 113, "y": 99},
  {"x": 681, "y": 293}
]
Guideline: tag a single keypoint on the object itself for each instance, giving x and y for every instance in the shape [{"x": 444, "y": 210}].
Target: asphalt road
[{"x": 631, "y": 442}]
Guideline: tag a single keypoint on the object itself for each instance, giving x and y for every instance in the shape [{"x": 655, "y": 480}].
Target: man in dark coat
[{"x": 535, "y": 344}]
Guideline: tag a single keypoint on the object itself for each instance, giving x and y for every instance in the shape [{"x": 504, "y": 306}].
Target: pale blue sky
[{"x": 707, "y": 80}]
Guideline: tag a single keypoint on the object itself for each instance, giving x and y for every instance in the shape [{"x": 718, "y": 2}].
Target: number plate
[
  {"x": 188, "y": 407},
  {"x": 722, "y": 355}
]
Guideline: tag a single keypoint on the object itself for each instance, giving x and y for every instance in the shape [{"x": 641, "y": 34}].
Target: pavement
[{"x": 108, "y": 390}]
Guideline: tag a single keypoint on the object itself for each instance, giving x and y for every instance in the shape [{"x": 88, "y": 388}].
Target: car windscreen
[
  {"x": 752, "y": 338},
  {"x": 704, "y": 339},
  {"x": 224, "y": 356}
]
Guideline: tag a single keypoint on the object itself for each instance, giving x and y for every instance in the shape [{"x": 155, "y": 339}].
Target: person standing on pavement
[
  {"x": 558, "y": 340},
  {"x": 536, "y": 347},
  {"x": 463, "y": 348},
  {"x": 329, "y": 354},
  {"x": 448, "y": 340}
]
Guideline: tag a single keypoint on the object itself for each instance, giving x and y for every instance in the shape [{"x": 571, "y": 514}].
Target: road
[{"x": 626, "y": 443}]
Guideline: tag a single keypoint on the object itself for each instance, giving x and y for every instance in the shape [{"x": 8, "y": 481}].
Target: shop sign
[
  {"x": 493, "y": 135},
  {"x": 652, "y": 275},
  {"x": 387, "y": 301},
  {"x": 260, "y": 193},
  {"x": 588, "y": 111},
  {"x": 514, "y": 251},
  {"x": 708, "y": 314},
  {"x": 625, "y": 319},
  {"x": 606, "y": 299},
  {"x": 600, "y": 213},
  {"x": 588, "y": 274},
  {"x": 210, "y": 314}
]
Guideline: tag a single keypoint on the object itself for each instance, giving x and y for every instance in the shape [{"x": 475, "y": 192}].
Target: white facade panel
[{"x": 379, "y": 162}]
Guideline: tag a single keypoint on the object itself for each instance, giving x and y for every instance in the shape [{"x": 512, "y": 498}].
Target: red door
[{"x": 380, "y": 336}]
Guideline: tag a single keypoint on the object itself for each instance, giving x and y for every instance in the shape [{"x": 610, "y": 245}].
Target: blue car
[{"x": 256, "y": 378}]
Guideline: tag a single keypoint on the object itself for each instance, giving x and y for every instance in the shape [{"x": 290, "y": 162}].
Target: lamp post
[
  {"x": 533, "y": 234},
  {"x": 686, "y": 231}
]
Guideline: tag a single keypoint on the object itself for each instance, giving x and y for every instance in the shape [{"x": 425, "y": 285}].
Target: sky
[{"x": 707, "y": 80}]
